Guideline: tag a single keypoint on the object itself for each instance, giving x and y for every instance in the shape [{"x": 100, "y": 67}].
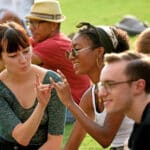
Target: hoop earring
[{"x": 98, "y": 62}]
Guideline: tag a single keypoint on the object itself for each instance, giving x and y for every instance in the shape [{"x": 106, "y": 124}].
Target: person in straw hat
[{"x": 50, "y": 45}]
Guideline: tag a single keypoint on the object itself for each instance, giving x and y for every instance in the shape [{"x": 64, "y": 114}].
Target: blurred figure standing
[{"x": 24, "y": 8}]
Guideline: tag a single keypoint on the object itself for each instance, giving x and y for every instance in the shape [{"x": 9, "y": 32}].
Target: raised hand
[
  {"x": 43, "y": 92},
  {"x": 63, "y": 89}
]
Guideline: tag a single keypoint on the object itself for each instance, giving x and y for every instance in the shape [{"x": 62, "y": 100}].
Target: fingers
[
  {"x": 52, "y": 81},
  {"x": 53, "y": 84},
  {"x": 42, "y": 88},
  {"x": 62, "y": 76},
  {"x": 43, "y": 93},
  {"x": 58, "y": 85},
  {"x": 37, "y": 82}
]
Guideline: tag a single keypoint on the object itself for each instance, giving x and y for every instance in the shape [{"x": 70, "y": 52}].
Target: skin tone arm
[
  {"x": 78, "y": 132},
  {"x": 30, "y": 126},
  {"x": 102, "y": 134},
  {"x": 53, "y": 142}
]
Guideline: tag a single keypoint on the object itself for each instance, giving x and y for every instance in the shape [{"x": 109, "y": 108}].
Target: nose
[
  {"x": 71, "y": 56},
  {"x": 22, "y": 58},
  {"x": 102, "y": 92}
]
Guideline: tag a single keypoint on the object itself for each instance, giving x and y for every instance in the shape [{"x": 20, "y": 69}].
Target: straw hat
[{"x": 46, "y": 10}]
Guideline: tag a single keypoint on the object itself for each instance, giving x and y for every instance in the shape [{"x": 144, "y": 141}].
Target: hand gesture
[
  {"x": 43, "y": 92},
  {"x": 63, "y": 89}
]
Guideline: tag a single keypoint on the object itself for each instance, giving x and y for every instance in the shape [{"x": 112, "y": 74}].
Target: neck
[
  {"x": 138, "y": 105},
  {"x": 54, "y": 33},
  {"x": 94, "y": 76}
]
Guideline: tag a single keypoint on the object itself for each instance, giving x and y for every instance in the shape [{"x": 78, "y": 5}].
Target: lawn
[
  {"x": 100, "y": 12},
  {"x": 87, "y": 144}
]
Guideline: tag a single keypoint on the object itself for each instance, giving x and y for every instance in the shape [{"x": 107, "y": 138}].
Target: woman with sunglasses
[{"x": 90, "y": 44}]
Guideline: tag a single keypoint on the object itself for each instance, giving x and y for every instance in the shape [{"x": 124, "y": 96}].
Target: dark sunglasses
[{"x": 74, "y": 52}]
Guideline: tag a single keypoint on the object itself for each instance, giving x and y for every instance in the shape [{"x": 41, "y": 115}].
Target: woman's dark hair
[
  {"x": 12, "y": 37},
  {"x": 100, "y": 38}
]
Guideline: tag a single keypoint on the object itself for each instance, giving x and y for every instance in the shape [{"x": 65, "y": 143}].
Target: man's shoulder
[
  {"x": 61, "y": 36},
  {"x": 58, "y": 39}
]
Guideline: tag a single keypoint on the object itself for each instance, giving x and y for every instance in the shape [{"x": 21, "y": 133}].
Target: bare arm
[
  {"x": 78, "y": 131},
  {"x": 102, "y": 134},
  {"x": 30, "y": 126},
  {"x": 54, "y": 142}
]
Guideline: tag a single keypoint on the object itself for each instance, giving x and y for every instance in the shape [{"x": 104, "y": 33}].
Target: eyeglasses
[
  {"x": 108, "y": 85},
  {"x": 75, "y": 52},
  {"x": 34, "y": 24}
]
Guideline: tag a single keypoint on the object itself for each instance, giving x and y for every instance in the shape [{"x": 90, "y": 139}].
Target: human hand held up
[
  {"x": 63, "y": 89},
  {"x": 43, "y": 92}
]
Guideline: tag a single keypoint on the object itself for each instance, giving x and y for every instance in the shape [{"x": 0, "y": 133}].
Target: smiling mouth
[{"x": 75, "y": 65}]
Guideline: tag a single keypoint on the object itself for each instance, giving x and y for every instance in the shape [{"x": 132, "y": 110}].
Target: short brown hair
[
  {"x": 127, "y": 56},
  {"x": 138, "y": 66},
  {"x": 142, "y": 44}
]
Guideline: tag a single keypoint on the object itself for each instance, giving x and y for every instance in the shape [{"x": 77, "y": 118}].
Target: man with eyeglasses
[
  {"x": 125, "y": 86},
  {"x": 50, "y": 44}
]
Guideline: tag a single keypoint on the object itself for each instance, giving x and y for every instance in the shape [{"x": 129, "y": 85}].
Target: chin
[
  {"x": 77, "y": 72},
  {"x": 36, "y": 40},
  {"x": 110, "y": 108}
]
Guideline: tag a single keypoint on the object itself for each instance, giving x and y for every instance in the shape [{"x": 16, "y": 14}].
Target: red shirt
[{"x": 52, "y": 52}]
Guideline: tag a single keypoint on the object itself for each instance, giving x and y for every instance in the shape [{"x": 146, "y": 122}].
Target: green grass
[
  {"x": 88, "y": 143},
  {"x": 100, "y": 12}
]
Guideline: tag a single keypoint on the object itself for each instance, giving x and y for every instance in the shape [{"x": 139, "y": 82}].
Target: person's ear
[
  {"x": 100, "y": 56},
  {"x": 101, "y": 50},
  {"x": 140, "y": 86}
]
